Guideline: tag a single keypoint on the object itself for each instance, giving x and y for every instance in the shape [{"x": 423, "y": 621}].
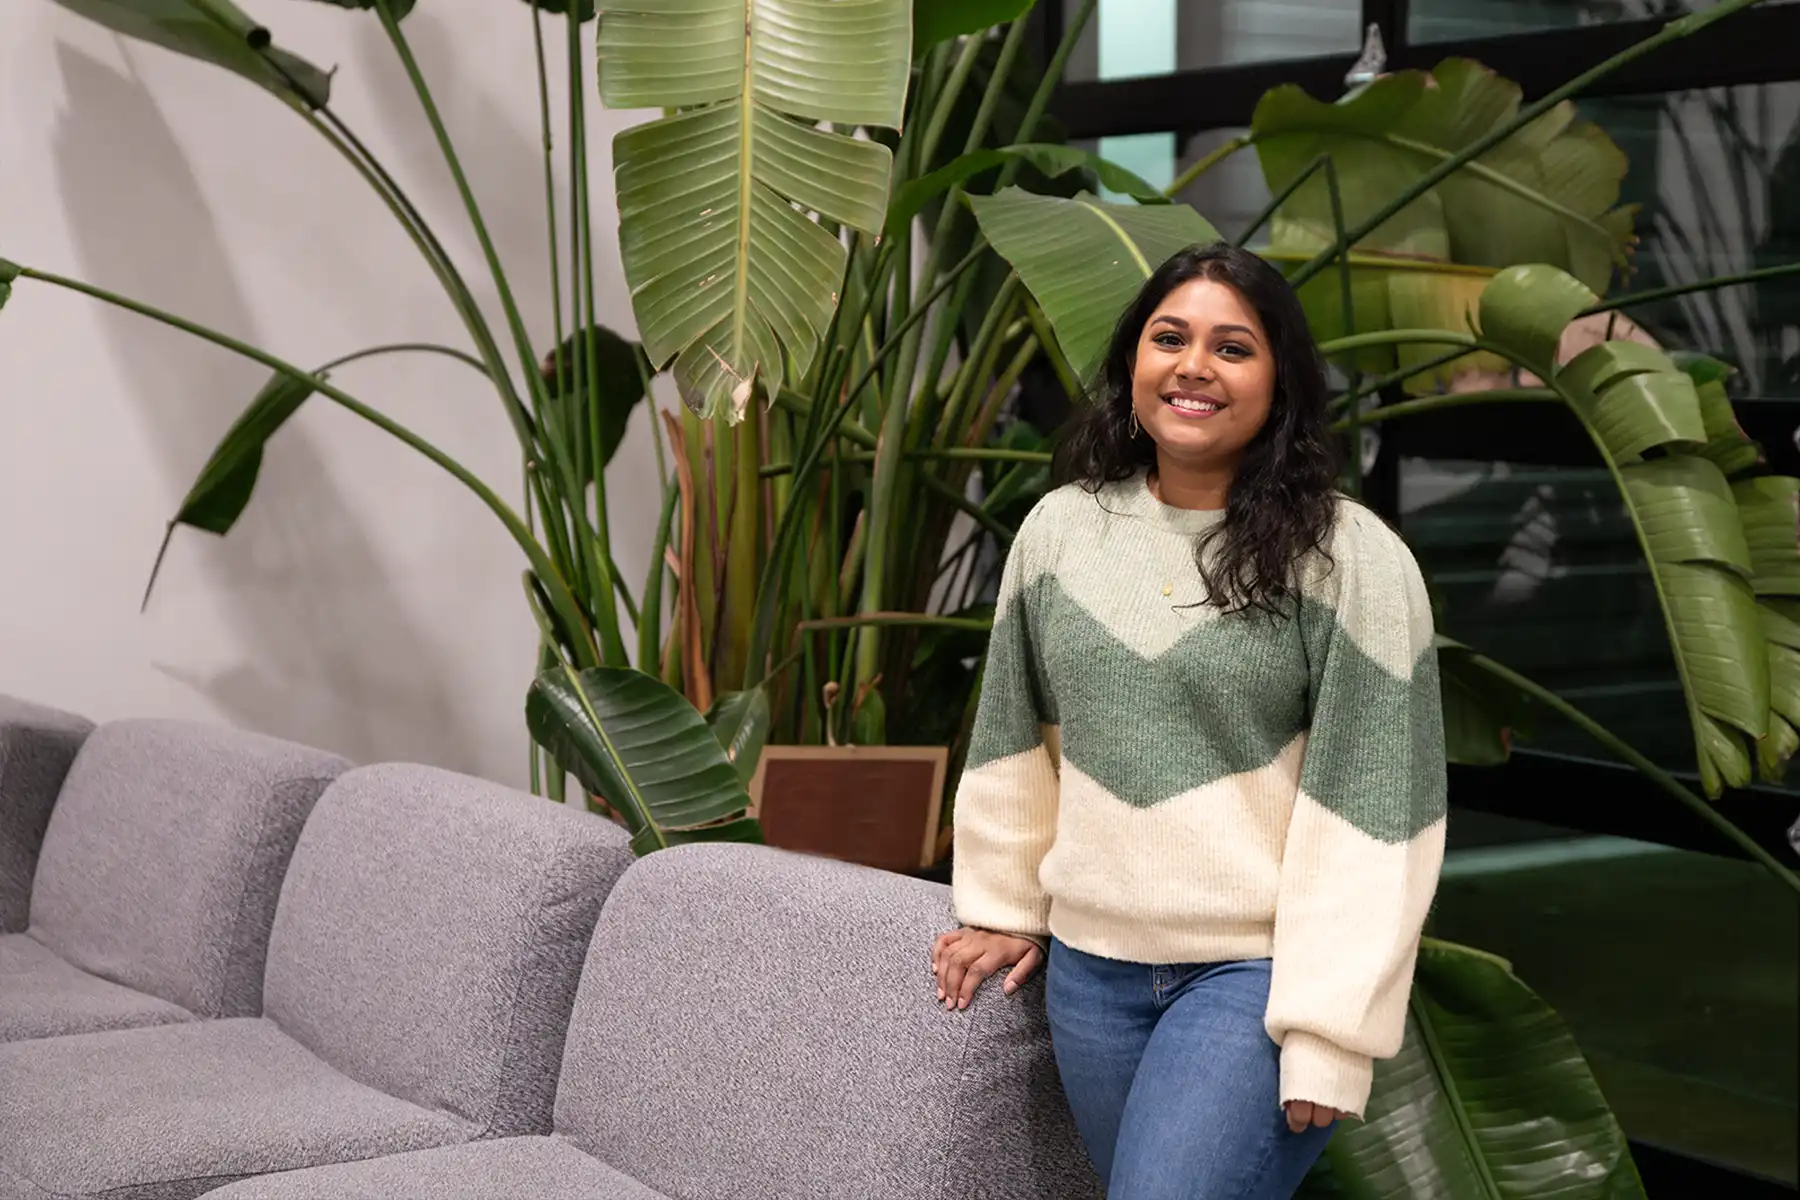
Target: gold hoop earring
[{"x": 1135, "y": 427}]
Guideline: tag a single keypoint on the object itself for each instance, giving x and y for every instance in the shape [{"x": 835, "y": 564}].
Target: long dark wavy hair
[{"x": 1282, "y": 500}]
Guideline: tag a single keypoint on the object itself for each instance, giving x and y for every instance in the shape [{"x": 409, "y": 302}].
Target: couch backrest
[
  {"x": 430, "y": 936},
  {"x": 753, "y": 1023},
  {"x": 165, "y": 854},
  {"x": 37, "y": 744}
]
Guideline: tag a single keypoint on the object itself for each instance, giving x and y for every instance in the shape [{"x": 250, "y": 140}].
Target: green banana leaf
[
  {"x": 225, "y": 484},
  {"x": 1391, "y": 291},
  {"x": 1633, "y": 399},
  {"x": 640, "y": 746},
  {"x": 402, "y": 8},
  {"x": 729, "y": 277},
  {"x": 1547, "y": 194},
  {"x": 937, "y": 21},
  {"x": 619, "y": 390},
  {"x": 1050, "y": 158},
  {"x": 8, "y": 273},
  {"x": 1482, "y": 713},
  {"x": 218, "y": 32},
  {"x": 1770, "y": 508},
  {"x": 1083, "y": 259},
  {"x": 1489, "y": 1099},
  {"x": 740, "y": 721},
  {"x": 1726, "y": 443}
]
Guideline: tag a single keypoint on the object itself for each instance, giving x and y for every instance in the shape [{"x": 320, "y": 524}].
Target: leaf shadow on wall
[{"x": 333, "y": 659}]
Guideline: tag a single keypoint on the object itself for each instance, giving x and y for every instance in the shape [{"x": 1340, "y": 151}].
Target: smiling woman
[{"x": 1206, "y": 782}]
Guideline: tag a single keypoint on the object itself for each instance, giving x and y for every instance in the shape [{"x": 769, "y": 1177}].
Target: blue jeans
[{"x": 1173, "y": 1080}]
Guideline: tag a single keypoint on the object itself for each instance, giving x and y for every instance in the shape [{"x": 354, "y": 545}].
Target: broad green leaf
[
  {"x": 1083, "y": 259},
  {"x": 640, "y": 746},
  {"x": 1637, "y": 404},
  {"x": 740, "y": 721},
  {"x": 225, "y": 484},
  {"x": 1769, "y": 507},
  {"x": 1488, "y": 1099},
  {"x": 1695, "y": 543},
  {"x": 1052, "y": 160},
  {"x": 1775, "y": 752},
  {"x": 729, "y": 276},
  {"x": 1525, "y": 309},
  {"x": 620, "y": 388},
  {"x": 8, "y": 273},
  {"x": 1687, "y": 512},
  {"x": 1482, "y": 713},
  {"x": 214, "y": 31},
  {"x": 937, "y": 21},
  {"x": 1547, "y": 194},
  {"x": 584, "y": 9},
  {"x": 1726, "y": 443},
  {"x": 1781, "y": 622}
]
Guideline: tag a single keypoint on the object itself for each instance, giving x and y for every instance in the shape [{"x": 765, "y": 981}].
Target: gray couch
[
  {"x": 157, "y": 880},
  {"x": 37, "y": 744},
  {"x": 449, "y": 1012}
]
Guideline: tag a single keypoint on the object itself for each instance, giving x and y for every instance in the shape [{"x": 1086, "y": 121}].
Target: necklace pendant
[{"x": 1169, "y": 587}]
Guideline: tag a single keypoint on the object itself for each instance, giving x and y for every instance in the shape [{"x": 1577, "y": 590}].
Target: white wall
[{"x": 366, "y": 602}]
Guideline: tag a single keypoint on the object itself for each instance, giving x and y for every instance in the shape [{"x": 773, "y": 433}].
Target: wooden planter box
[{"x": 874, "y": 805}]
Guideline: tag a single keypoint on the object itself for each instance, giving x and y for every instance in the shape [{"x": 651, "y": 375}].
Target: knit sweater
[{"x": 1153, "y": 781}]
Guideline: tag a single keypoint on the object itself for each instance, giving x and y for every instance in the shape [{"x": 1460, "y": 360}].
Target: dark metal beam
[{"x": 1754, "y": 46}]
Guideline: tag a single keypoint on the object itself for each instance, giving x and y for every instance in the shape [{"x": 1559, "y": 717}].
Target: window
[
  {"x": 1455, "y": 20},
  {"x": 1134, "y": 38}
]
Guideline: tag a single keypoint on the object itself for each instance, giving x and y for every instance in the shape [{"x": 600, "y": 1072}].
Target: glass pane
[
  {"x": 1677, "y": 973},
  {"x": 1454, "y": 20},
  {"x": 1130, "y": 38},
  {"x": 1718, "y": 174}
]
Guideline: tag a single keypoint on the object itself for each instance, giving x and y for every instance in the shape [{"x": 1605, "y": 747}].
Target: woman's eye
[
  {"x": 1168, "y": 341},
  {"x": 1233, "y": 350}
]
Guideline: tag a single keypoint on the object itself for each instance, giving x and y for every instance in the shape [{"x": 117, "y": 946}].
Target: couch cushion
[
  {"x": 171, "y": 1112},
  {"x": 431, "y": 934},
  {"x": 538, "y": 1168},
  {"x": 753, "y": 1023},
  {"x": 165, "y": 855},
  {"x": 37, "y": 744},
  {"x": 43, "y": 996}
]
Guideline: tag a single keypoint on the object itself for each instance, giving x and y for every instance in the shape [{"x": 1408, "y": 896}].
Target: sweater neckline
[{"x": 1132, "y": 497}]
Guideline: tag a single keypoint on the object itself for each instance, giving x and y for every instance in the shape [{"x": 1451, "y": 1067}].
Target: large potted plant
[{"x": 841, "y": 391}]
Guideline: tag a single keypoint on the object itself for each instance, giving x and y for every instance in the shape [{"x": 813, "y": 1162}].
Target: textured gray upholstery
[
  {"x": 37, "y": 744},
  {"x": 431, "y": 935},
  {"x": 41, "y": 995},
  {"x": 165, "y": 855},
  {"x": 171, "y": 1112},
  {"x": 527, "y": 1168},
  {"x": 753, "y": 1023}
]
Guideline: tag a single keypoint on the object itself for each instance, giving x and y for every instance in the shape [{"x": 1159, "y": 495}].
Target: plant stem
[
  {"x": 558, "y": 590},
  {"x": 1626, "y": 753},
  {"x": 1400, "y": 337},
  {"x": 403, "y": 347},
  {"x": 1674, "y": 31},
  {"x": 922, "y": 620},
  {"x": 1187, "y": 177},
  {"x": 527, "y": 358},
  {"x": 1631, "y": 299},
  {"x": 1412, "y": 408},
  {"x": 1393, "y": 377},
  {"x": 543, "y": 78}
]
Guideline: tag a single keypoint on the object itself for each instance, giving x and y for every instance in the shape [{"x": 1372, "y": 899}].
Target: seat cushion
[
  {"x": 37, "y": 744},
  {"x": 541, "y": 1168},
  {"x": 171, "y": 1112},
  {"x": 431, "y": 935},
  {"x": 759, "y": 1025},
  {"x": 43, "y": 996},
  {"x": 165, "y": 855}
]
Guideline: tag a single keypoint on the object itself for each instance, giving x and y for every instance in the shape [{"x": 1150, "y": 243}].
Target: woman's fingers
[
  {"x": 1299, "y": 1115},
  {"x": 1034, "y": 958},
  {"x": 978, "y": 970},
  {"x": 1323, "y": 1116}
]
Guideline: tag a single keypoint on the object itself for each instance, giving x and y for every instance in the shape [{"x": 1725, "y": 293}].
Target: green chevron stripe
[{"x": 1225, "y": 699}]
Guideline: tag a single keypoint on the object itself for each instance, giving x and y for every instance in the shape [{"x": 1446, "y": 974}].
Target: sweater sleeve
[
  {"x": 1005, "y": 810},
  {"x": 1366, "y": 840}
]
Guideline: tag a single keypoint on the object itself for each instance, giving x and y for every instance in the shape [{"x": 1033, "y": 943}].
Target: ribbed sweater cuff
[{"x": 1320, "y": 1071}]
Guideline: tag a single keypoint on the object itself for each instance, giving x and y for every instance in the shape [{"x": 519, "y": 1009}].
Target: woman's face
[{"x": 1204, "y": 376}]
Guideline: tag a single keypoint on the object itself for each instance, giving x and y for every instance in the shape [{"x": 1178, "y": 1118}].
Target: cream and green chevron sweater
[{"x": 1156, "y": 782}]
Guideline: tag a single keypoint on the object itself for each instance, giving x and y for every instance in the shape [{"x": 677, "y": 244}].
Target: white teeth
[{"x": 1187, "y": 405}]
